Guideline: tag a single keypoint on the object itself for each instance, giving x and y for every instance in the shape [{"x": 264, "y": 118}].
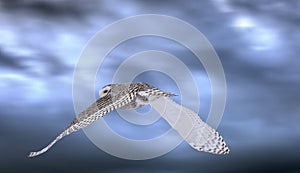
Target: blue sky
[{"x": 257, "y": 42}]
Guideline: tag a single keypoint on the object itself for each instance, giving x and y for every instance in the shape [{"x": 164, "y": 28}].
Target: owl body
[{"x": 141, "y": 93}]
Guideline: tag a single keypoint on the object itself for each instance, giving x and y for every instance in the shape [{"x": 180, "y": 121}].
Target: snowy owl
[{"x": 187, "y": 123}]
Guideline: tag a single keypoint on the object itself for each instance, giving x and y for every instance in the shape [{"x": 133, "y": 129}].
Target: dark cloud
[
  {"x": 47, "y": 64},
  {"x": 90, "y": 159},
  {"x": 45, "y": 8},
  {"x": 10, "y": 62}
]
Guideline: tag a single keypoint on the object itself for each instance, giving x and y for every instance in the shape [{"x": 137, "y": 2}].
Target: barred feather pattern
[
  {"x": 133, "y": 95},
  {"x": 95, "y": 111}
]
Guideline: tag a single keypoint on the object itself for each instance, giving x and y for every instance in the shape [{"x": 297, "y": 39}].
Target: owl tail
[{"x": 70, "y": 129}]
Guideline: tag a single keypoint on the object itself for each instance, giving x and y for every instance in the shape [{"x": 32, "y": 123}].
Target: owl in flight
[{"x": 187, "y": 123}]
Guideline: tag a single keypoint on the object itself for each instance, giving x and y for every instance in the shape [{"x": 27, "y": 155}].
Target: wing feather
[
  {"x": 95, "y": 111},
  {"x": 188, "y": 124}
]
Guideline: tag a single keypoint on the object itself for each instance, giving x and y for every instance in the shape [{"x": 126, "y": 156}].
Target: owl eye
[{"x": 104, "y": 91}]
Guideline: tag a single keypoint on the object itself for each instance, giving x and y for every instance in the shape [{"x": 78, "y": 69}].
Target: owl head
[{"x": 105, "y": 90}]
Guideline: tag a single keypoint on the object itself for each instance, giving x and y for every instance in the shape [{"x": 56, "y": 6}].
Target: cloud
[
  {"x": 45, "y": 8},
  {"x": 257, "y": 42}
]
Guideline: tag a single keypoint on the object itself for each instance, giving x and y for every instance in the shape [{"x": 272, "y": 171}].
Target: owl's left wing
[{"x": 95, "y": 111}]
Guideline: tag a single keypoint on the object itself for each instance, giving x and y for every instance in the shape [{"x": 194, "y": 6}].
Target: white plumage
[
  {"x": 188, "y": 124},
  {"x": 134, "y": 95}
]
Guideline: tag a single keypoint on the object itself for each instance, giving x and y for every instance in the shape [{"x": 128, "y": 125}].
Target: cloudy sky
[{"x": 257, "y": 42}]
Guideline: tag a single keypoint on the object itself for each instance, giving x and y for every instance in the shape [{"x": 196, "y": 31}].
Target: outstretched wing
[
  {"x": 188, "y": 124},
  {"x": 95, "y": 111}
]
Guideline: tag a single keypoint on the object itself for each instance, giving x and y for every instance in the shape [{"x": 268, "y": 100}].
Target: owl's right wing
[
  {"x": 188, "y": 124},
  {"x": 95, "y": 111}
]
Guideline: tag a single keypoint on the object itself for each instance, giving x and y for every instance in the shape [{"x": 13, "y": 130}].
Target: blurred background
[{"x": 257, "y": 42}]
